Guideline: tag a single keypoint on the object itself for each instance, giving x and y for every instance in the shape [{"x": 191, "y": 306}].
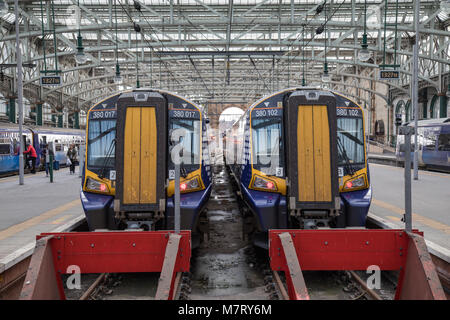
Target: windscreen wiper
[
  {"x": 108, "y": 156},
  {"x": 350, "y": 136},
  {"x": 347, "y": 162}
]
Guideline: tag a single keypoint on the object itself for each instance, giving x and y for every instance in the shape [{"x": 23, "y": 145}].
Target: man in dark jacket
[{"x": 72, "y": 155}]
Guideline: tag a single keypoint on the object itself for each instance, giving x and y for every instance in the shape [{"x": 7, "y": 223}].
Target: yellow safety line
[
  {"x": 61, "y": 220},
  {"x": 396, "y": 219},
  {"x": 442, "y": 175},
  {"x": 416, "y": 217},
  {"x": 34, "y": 221},
  {"x": 16, "y": 177}
]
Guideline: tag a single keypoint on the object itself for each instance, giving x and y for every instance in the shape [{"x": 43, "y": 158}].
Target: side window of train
[
  {"x": 5, "y": 146},
  {"x": 429, "y": 140},
  {"x": 444, "y": 142},
  {"x": 58, "y": 147}
]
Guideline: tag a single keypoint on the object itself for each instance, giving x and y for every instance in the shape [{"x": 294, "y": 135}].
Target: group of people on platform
[{"x": 31, "y": 156}]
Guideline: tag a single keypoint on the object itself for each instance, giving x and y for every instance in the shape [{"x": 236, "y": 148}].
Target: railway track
[{"x": 226, "y": 266}]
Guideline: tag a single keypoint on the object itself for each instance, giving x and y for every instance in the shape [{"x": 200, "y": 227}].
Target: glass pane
[
  {"x": 5, "y": 148},
  {"x": 266, "y": 144},
  {"x": 351, "y": 137},
  {"x": 190, "y": 140},
  {"x": 101, "y": 136},
  {"x": 444, "y": 142}
]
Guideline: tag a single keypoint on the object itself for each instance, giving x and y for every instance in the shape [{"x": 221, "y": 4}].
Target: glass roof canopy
[{"x": 220, "y": 49}]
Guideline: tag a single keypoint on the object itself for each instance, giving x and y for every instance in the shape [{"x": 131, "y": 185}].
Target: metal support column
[
  {"x": 12, "y": 110},
  {"x": 177, "y": 197},
  {"x": 39, "y": 114},
  {"x": 19, "y": 91},
  {"x": 407, "y": 132},
  {"x": 76, "y": 116},
  {"x": 415, "y": 80},
  {"x": 60, "y": 121}
]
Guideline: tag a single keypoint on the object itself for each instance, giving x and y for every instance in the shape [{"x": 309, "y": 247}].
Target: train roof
[
  {"x": 341, "y": 96},
  {"x": 44, "y": 129},
  {"x": 113, "y": 98},
  {"x": 430, "y": 122}
]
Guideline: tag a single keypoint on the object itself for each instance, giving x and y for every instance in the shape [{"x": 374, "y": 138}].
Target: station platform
[
  {"x": 32, "y": 208},
  {"x": 430, "y": 202}
]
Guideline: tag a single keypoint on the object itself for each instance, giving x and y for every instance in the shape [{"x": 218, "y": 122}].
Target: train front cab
[
  {"x": 133, "y": 191},
  {"x": 319, "y": 187},
  {"x": 322, "y": 185}
]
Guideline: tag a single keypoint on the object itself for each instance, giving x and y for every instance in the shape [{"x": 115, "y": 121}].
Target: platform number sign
[
  {"x": 340, "y": 172},
  {"x": 171, "y": 174},
  {"x": 51, "y": 81},
  {"x": 389, "y": 75},
  {"x": 112, "y": 175}
]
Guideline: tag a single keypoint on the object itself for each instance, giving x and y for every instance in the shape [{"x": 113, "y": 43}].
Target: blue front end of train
[{"x": 276, "y": 180}]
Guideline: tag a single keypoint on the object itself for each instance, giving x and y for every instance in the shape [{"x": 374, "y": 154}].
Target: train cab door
[
  {"x": 141, "y": 141},
  {"x": 311, "y": 143},
  {"x": 36, "y": 145}
]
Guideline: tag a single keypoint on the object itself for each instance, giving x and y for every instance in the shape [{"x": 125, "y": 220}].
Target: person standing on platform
[
  {"x": 72, "y": 155},
  {"x": 31, "y": 154},
  {"x": 46, "y": 157}
]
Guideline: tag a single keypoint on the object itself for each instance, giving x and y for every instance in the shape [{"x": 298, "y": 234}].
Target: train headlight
[
  {"x": 266, "y": 184},
  {"x": 357, "y": 183},
  {"x": 94, "y": 185},
  {"x": 190, "y": 185}
]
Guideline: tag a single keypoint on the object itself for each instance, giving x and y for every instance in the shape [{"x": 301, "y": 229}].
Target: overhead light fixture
[
  {"x": 80, "y": 56},
  {"x": 326, "y": 77},
  {"x": 4, "y": 9},
  {"x": 136, "y": 27},
  {"x": 118, "y": 78},
  {"x": 445, "y": 6},
  {"x": 320, "y": 29},
  {"x": 319, "y": 8},
  {"x": 364, "y": 54}
]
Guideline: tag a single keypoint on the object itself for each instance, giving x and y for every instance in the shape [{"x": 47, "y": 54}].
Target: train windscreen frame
[
  {"x": 267, "y": 141},
  {"x": 350, "y": 136},
  {"x": 189, "y": 121},
  {"x": 101, "y": 146}
]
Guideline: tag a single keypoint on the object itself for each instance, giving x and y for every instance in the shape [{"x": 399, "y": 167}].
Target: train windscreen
[
  {"x": 189, "y": 140},
  {"x": 101, "y": 147},
  {"x": 350, "y": 134},
  {"x": 267, "y": 145}
]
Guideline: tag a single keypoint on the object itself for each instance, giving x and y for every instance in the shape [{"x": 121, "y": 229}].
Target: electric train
[
  {"x": 298, "y": 160},
  {"x": 60, "y": 138},
  {"x": 128, "y": 180}
]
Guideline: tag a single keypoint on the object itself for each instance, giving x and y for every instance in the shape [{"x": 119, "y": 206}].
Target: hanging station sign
[
  {"x": 51, "y": 81},
  {"x": 389, "y": 75}
]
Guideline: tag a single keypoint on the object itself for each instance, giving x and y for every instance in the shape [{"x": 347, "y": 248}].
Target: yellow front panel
[
  {"x": 313, "y": 154},
  {"x": 322, "y": 169},
  {"x": 148, "y": 156},
  {"x": 131, "y": 175},
  {"x": 305, "y": 149}
]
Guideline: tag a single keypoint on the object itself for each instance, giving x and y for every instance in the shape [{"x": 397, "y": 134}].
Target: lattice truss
[{"x": 219, "y": 52}]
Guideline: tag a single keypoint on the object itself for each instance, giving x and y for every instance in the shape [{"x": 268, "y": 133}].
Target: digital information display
[
  {"x": 51, "y": 81},
  {"x": 389, "y": 75}
]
